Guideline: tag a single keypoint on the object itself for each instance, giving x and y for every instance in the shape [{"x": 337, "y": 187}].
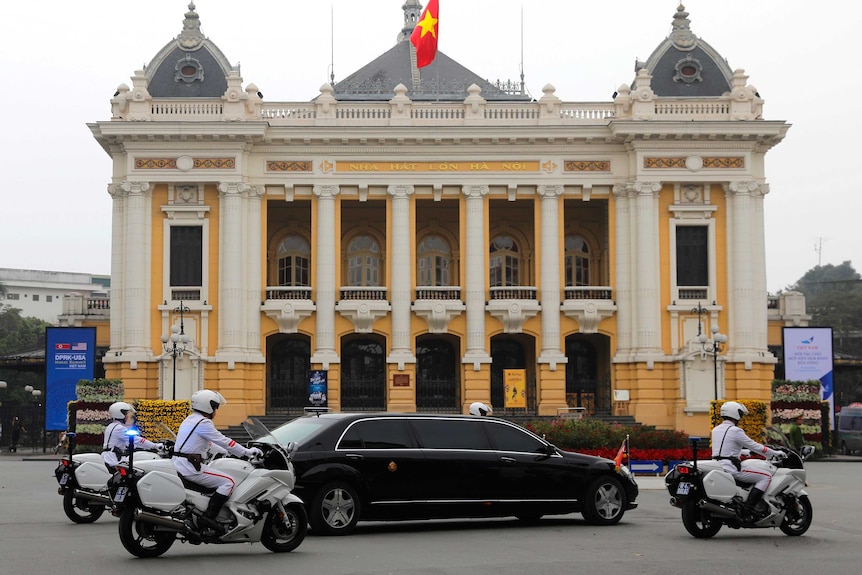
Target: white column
[
  {"x": 550, "y": 276},
  {"x": 647, "y": 286},
  {"x": 475, "y": 266},
  {"x": 747, "y": 273},
  {"x": 325, "y": 287},
  {"x": 401, "y": 266},
  {"x": 136, "y": 267},
  {"x": 624, "y": 269},
  {"x": 230, "y": 267},
  {"x": 118, "y": 272},
  {"x": 253, "y": 270}
]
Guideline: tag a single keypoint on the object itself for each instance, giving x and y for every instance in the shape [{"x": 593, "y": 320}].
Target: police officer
[
  {"x": 728, "y": 441},
  {"x": 196, "y": 434},
  {"x": 116, "y": 443}
]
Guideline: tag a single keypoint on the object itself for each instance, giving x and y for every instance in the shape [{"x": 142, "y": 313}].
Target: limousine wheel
[
  {"x": 335, "y": 509},
  {"x": 604, "y": 501}
]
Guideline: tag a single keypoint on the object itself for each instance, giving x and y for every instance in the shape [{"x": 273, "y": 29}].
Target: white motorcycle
[
  {"x": 83, "y": 482},
  {"x": 710, "y": 497},
  {"x": 157, "y": 506}
]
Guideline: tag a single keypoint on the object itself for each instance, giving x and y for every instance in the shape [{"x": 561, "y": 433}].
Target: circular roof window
[
  {"x": 688, "y": 70},
  {"x": 188, "y": 70}
]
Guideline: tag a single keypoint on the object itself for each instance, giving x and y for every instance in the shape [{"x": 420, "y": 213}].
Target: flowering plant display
[
  {"x": 790, "y": 399},
  {"x": 151, "y": 412},
  {"x": 91, "y": 410}
]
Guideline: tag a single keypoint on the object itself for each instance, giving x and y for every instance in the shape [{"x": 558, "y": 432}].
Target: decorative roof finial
[
  {"x": 681, "y": 36},
  {"x": 191, "y": 37},
  {"x": 412, "y": 11}
]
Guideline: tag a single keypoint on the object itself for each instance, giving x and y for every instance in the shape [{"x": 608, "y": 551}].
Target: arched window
[
  {"x": 363, "y": 256},
  {"x": 293, "y": 257},
  {"x": 505, "y": 262},
  {"x": 435, "y": 258},
  {"x": 577, "y": 261}
]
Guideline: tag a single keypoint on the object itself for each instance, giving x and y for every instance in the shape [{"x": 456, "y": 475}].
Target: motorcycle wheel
[
  {"x": 335, "y": 509},
  {"x": 81, "y": 510},
  {"x": 284, "y": 534},
  {"x": 141, "y": 539},
  {"x": 799, "y": 522},
  {"x": 604, "y": 503},
  {"x": 699, "y": 523}
]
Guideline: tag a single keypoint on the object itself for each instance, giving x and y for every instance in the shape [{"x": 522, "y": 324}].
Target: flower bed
[
  {"x": 790, "y": 399},
  {"x": 91, "y": 410}
]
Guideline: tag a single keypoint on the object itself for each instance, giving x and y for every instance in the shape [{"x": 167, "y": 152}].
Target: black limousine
[{"x": 354, "y": 467}]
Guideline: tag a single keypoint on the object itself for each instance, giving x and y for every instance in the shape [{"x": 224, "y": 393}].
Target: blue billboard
[{"x": 70, "y": 355}]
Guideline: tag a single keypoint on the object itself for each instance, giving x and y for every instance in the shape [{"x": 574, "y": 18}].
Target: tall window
[
  {"x": 293, "y": 257},
  {"x": 363, "y": 256},
  {"x": 505, "y": 262},
  {"x": 692, "y": 261},
  {"x": 577, "y": 261},
  {"x": 434, "y": 262},
  {"x": 186, "y": 256}
]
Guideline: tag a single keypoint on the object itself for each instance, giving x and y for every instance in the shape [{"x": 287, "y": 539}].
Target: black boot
[
  {"x": 754, "y": 497},
  {"x": 208, "y": 519}
]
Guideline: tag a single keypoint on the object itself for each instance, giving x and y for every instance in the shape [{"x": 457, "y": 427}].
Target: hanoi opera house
[{"x": 419, "y": 233}]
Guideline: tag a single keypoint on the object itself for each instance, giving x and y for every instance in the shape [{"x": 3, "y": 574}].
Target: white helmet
[
  {"x": 733, "y": 410},
  {"x": 207, "y": 401},
  {"x": 119, "y": 410},
  {"x": 479, "y": 408}
]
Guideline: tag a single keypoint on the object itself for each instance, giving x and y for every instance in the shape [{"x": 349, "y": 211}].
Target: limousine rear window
[
  {"x": 300, "y": 428},
  {"x": 449, "y": 434}
]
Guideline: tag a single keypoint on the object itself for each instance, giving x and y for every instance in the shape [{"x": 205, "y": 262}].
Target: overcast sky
[{"x": 63, "y": 60}]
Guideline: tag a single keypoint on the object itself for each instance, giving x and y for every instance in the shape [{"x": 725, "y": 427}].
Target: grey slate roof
[
  {"x": 444, "y": 79},
  {"x": 189, "y": 66},
  {"x": 684, "y": 65}
]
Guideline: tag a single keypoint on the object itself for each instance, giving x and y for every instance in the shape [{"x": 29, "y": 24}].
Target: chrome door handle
[{"x": 508, "y": 460}]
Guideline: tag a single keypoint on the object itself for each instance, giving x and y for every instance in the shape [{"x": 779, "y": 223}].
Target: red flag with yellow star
[{"x": 424, "y": 36}]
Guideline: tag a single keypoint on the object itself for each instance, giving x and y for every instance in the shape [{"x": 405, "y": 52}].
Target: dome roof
[
  {"x": 683, "y": 65},
  {"x": 189, "y": 66}
]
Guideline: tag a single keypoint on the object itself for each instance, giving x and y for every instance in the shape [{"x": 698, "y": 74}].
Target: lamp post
[
  {"x": 714, "y": 347},
  {"x": 175, "y": 344}
]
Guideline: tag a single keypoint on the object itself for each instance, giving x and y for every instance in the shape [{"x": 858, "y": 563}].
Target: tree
[
  {"x": 833, "y": 298},
  {"x": 18, "y": 333}
]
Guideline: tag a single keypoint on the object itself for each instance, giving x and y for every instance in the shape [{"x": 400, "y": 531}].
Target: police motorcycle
[
  {"x": 83, "y": 482},
  {"x": 710, "y": 497},
  {"x": 158, "y": 507}
]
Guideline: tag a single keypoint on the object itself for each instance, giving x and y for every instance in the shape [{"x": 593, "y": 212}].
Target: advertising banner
[
  {"x": 70, "y": 355},
  {"x": 807, "y": 357},
  {"x": 318, "y": 381},
  {"x": 515, "y": 387}
]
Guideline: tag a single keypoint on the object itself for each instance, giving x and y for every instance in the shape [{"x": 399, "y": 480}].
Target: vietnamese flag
[{"x": 424, "y": 36}]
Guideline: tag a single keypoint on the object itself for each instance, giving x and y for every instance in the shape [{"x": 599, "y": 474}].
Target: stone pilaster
[{"x": 325, "y": 262}]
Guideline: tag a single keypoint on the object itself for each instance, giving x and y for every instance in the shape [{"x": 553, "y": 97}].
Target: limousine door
[
  {"x": 527, "y": 471},
  {"x": 382, "y": 451},
  {"x": 459, "y": 466}
]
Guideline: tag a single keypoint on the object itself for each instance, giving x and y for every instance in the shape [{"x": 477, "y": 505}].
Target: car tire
[
  {"x": 604, "y": 501},
  {"x": 334, "y": 509}
]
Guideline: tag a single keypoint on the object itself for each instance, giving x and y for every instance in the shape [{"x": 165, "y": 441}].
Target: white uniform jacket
[
  {"x": 728, "y": 441},
  {"x": 194, "y": 437},
  {"x": 116, "y": 443}
]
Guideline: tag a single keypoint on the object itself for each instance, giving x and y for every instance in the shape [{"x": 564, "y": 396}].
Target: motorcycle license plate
[
  {"x": 121, "y": 494},
  {"x": 64, "y": 479},
  {"x": 683, "y": 488}
]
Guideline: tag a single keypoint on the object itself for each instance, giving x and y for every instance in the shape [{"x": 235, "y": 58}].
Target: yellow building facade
[{"x": 418, "y": 234}]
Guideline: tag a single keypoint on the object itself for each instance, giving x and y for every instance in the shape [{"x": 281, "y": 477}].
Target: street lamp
[
  {"x": 170, "y": 343},
  {"x": 716, "y": 346},
  {"x": 719, "y": 340}
]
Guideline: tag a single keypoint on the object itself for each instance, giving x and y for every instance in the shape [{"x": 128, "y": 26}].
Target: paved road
[{"x": 37, "y": 538}]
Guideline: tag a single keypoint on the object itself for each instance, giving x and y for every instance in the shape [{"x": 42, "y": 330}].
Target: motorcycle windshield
[{"x": 257, "y": 431}]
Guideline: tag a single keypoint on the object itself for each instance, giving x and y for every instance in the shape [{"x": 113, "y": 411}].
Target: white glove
[
  {"x": 779, "y": 456},
  {"x": 254, "y": 453}
]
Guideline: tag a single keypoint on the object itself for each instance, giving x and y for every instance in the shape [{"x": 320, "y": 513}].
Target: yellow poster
[{"x": 515, "y": 386}]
